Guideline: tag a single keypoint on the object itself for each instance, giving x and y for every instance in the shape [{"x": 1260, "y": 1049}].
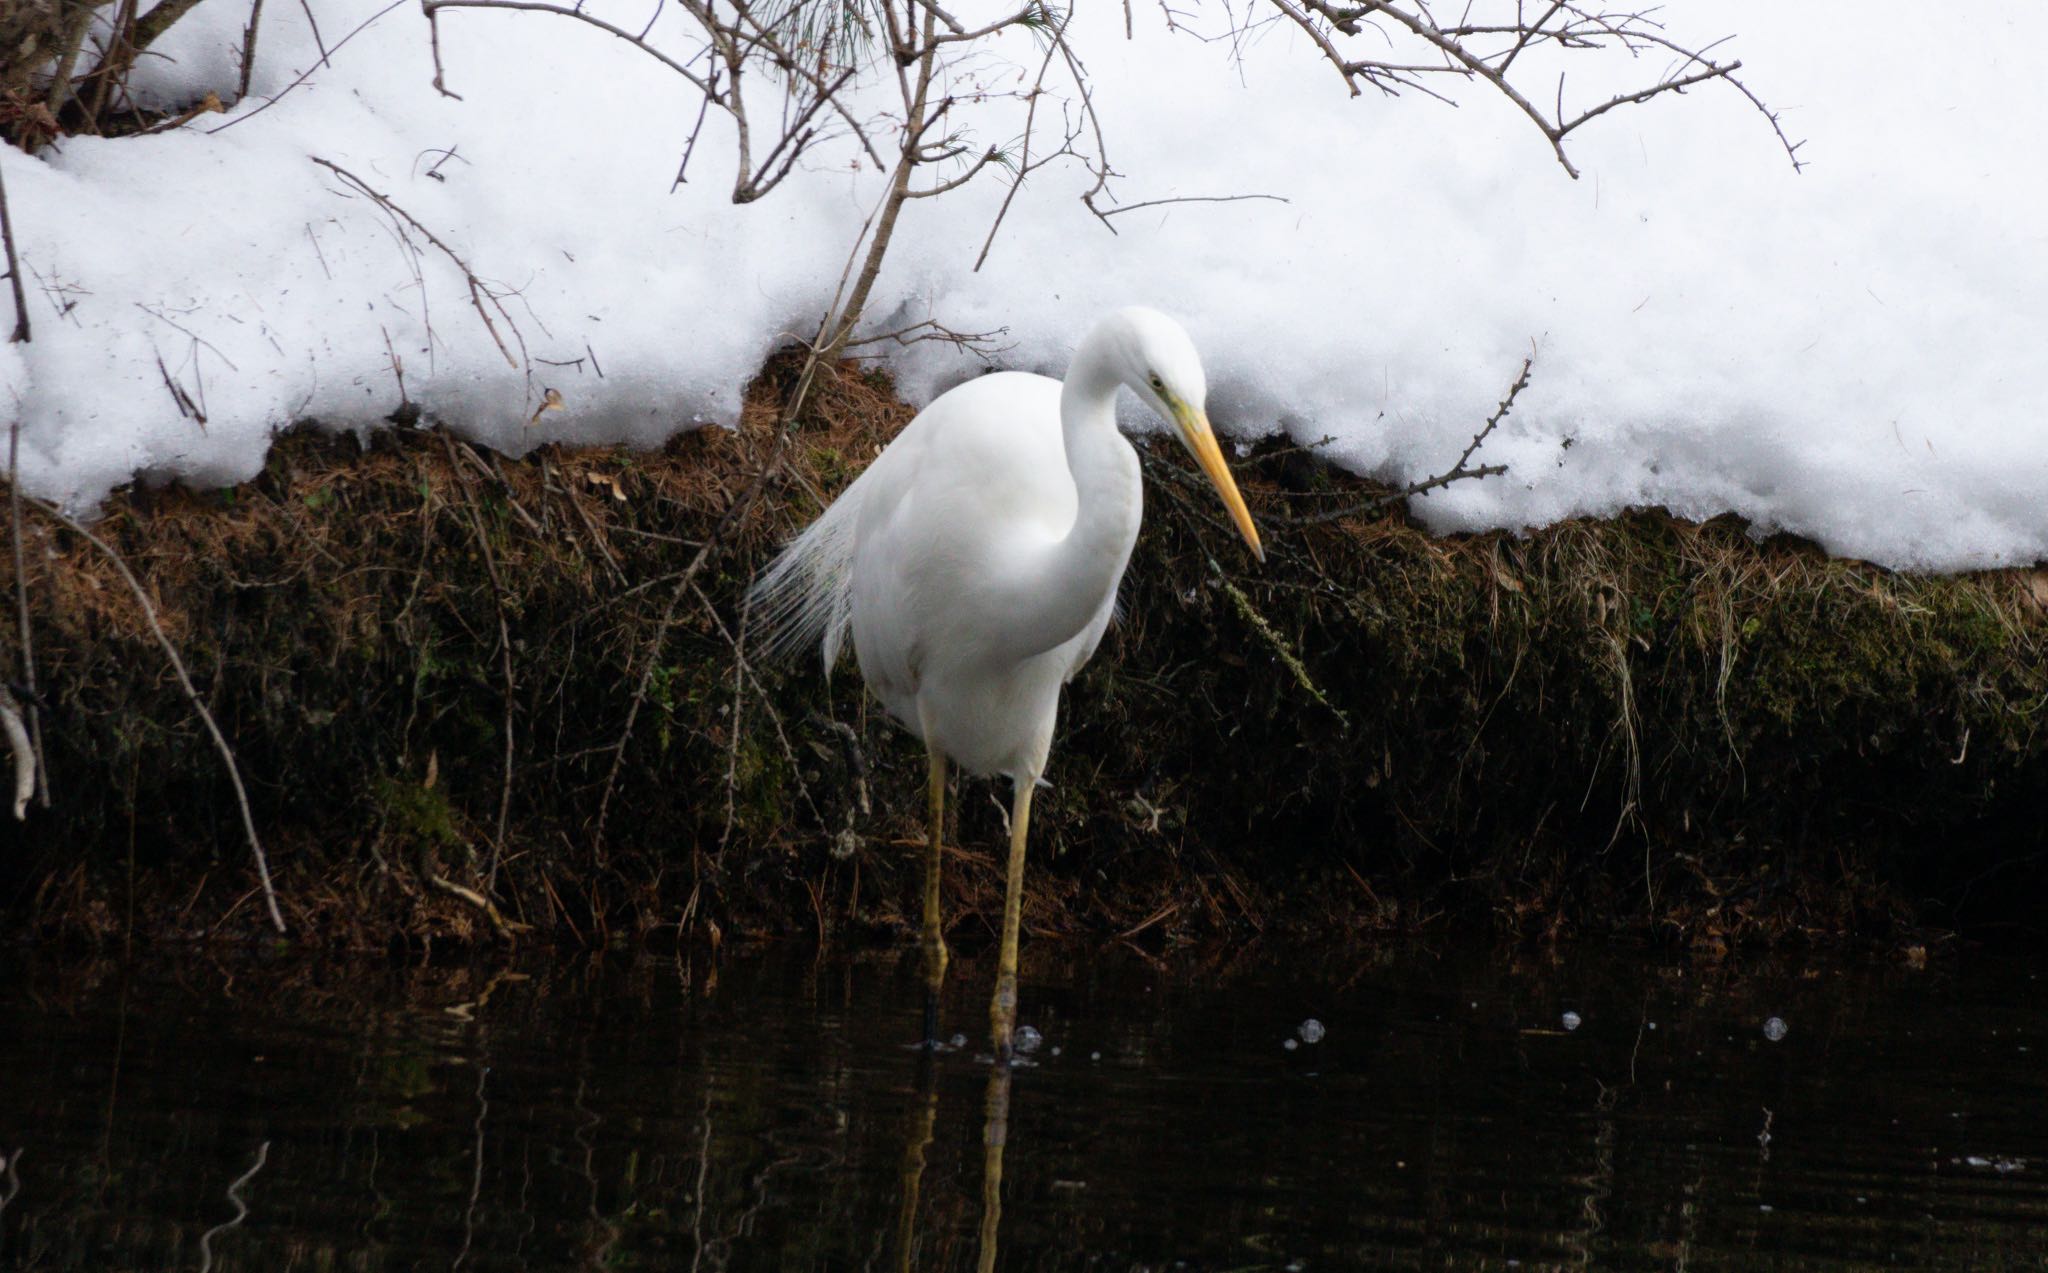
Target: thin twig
[
  {"x": 249, "y": 48},
  {"x": 743, "y": 669},
  {"x": 1458, "y": 472},
  {"x": 479, "y": 291},
  {"x": 737, "y": 721},
  {"x": 1024, "y": 157},
  {"x": 1118, "y": 211},
  {"x": 314, "y": 23},
  {"x": 13, "y": 266},
  {"x": 1466, "y": 51},
  {"x": 220, "y": 742},
  {"x": 652, "y": 657},
  {"x": 738, "y": 509},
  {"x": 483, "y": 540},
  {"x": 307, "y": 74}
]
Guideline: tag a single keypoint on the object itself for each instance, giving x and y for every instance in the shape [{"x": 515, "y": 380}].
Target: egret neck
[{"x": 1059, "y": 589}]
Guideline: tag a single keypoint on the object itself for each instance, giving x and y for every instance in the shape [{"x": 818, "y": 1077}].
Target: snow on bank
[{"x": 1849, "y": 354}]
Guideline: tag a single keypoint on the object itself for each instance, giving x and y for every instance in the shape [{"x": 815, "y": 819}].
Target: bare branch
[
  {"x": 248, "y": 48},
  {"x": 930, "y": 330},
  {"x": 506, "y": 726},
  {"x": 220, "y": 742},
  {"x": 1489, "y": 51},
  {"x": 432, "y": 7},
  {"x": 1460, "y": 471},
  {"x": 480, "y": 293},
  {"x": 307, "y": 74},
  {"x": 21, "y": 333},
  {"x": 1189, "y": 198}
]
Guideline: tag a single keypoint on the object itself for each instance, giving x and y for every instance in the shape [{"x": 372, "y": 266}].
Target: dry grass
[{"x": 1636, "y": 724}]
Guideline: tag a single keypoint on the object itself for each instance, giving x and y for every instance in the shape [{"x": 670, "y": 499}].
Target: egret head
[{"x": 1160, "y": 364}]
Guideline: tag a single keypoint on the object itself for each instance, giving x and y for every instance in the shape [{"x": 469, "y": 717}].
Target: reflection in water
[
  {"x": 778, "y": 1116},
  {"x": 917, "y": 1142},
  {"x": 241, "y": 1209},
  {"x": 10, "y": 1183},
  {"x": 995, "y": 1135}
]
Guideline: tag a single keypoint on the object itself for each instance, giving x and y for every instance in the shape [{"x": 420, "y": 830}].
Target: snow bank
[{"x": 1846, "y": 354}]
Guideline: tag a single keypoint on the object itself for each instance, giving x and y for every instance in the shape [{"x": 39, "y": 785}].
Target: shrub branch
[{"x": 220, "y": 742}]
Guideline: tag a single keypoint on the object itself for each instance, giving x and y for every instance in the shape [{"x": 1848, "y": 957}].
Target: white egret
[{"x": 976, "y": 564}]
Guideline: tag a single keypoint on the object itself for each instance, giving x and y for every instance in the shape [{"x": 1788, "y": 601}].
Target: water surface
[{"x": 763, "y": 1111}]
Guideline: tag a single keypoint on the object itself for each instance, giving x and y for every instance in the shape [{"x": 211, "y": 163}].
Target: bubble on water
[
  {"x": 1653, "y": 1025},
  {"x": 1774, "y": 1029},
  {"x": 1095, "y": 1056},
  {"x": 1027, "y": 1040},
  {"x": 959, "y": 1040},
  {"x": 1055, "y": 1049},
  {"x": 1571, "y": 1020},
  {"x": 1311, "y": 1031},
  {"x": 1290, "y": 1044},
  {"x": 1764, "y": 1207}
]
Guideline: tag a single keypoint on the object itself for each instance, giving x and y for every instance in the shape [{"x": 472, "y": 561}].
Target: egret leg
[
  {"x": 934, "y": 935},
  {"x": 1003, "y": 1008}
]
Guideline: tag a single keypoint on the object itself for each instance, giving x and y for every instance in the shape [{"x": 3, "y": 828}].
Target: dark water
[{"x": 763, "y": 1112}]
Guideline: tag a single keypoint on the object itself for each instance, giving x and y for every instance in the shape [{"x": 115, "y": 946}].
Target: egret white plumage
[{"x": 976, "y": 565}]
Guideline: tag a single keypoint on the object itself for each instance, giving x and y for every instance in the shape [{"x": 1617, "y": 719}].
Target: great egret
[{"x": 976, "y": 564}]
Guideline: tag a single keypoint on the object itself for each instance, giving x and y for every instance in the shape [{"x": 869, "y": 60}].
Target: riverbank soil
[{"x": 472, "y": 696}]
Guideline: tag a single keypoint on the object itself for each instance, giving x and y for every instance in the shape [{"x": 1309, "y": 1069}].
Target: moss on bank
[{"x": 1638, "y": 723}]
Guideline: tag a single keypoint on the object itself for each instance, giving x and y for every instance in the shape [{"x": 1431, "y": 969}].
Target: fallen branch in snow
[
  {"x": 163, "y": 641},
  {"x": 1461, "y": 471},
  {"x": 479, "y": 291},
  {"x": 931, "y": 331}
]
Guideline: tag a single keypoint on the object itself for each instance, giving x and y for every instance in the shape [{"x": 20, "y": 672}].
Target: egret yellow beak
[{"x": 1201, "y": 439}]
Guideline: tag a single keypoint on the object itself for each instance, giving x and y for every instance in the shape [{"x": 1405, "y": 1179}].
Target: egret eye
[{"x": 1158, "y": 385}]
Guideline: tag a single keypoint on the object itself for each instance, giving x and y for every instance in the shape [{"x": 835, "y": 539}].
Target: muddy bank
[{"x": 450, "y": 676}]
